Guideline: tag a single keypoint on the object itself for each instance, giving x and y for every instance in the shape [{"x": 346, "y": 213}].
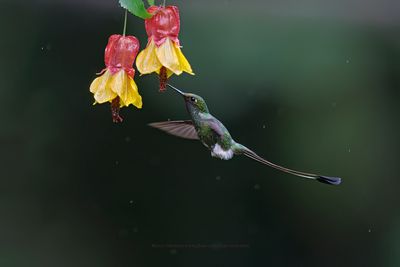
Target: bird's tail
[{"x": 242, "y": 150}]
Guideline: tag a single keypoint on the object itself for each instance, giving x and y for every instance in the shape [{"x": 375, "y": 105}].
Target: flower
[
  {"x": 116, "y": 84},
  {"x": 163, "y": 53}
]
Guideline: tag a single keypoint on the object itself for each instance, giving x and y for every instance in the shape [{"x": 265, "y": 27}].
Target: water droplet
[
  {"x": 116, "y": 162},
  {"x": 347, "y": 61},
  {"x": 334, "y": 104},
  {"x": 127, "y": 139},
  {"x": 257, "y": 186},
  {"x": 130, "y": 201},
  {"x": 369, "y": 230},
  {"x": 218, "y": 178},
  {"x": 173, "y": 251},
  {"x": 135, "y": 229},
  {"x": 46, "y": 47},
  {"x": 263, "y": 126},
  {"x": 349, "y": 150}
]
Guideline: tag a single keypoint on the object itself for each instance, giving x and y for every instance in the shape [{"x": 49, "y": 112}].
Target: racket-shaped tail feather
[{"x": 242, "y": 150}]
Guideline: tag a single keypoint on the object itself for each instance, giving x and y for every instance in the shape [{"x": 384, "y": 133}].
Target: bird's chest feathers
[
  {"x": 206, "y": 136},
  {"x": 219, "y": 145},
  {"x": 218, "y": 152},
  {"x": 211, "y": 141}
]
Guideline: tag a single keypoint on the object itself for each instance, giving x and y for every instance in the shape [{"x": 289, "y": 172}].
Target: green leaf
[
  {"x": 136, "y": 7},
  {"x": 151, "y": 2}
]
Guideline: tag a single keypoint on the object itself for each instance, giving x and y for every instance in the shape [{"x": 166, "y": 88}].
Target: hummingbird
[{"x": 213, "y": 134}]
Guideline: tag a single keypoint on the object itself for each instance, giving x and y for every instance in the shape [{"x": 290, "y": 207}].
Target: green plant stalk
[{"x": 126, "y": 15}]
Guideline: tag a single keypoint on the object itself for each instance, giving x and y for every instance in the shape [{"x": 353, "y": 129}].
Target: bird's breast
[{"x": 218, "y": 152}]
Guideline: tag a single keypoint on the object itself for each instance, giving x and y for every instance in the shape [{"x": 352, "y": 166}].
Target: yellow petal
[
  {"x": 125, "y": 87},
  {"x": 147, "y": 61},
  {"x": 184, "y": 63},
  {"x": 167, "y": 56},
  {"x": 101, "y": 89},
  {"x": 170, "y": 56},
  {"x": 133, "y": 97}
]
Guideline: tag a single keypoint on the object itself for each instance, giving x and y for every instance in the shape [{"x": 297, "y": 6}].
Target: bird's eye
[{"x": 193, "y": 99}]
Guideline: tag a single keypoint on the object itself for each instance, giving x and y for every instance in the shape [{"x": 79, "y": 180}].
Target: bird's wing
[
  {"x": 215, "y": 125},
  {"x": 183, "y": 129}
]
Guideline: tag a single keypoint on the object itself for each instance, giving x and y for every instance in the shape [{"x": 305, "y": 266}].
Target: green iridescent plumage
[{"x": 213, "y": 134}]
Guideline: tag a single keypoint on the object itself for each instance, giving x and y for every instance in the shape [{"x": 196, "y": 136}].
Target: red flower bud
[
  {"x": 120, "y": 53},
  {"x": 164, "y": 23}
]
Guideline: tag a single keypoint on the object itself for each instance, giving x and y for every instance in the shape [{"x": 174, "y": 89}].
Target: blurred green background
[{"x": 312, "y": 85}]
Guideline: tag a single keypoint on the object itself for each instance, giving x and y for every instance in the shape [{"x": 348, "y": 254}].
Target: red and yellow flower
[
  {"x": 163, "y": 52},
  {"x": 116, "y": 84}
]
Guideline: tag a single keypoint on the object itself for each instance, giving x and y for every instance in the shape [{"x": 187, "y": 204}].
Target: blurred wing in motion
[{"x": 183, "y": 129}]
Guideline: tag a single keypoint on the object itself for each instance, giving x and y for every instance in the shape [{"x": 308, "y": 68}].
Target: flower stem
[
  {"x": 126, "y": 15},
  {"x": 164, "y": 3}
]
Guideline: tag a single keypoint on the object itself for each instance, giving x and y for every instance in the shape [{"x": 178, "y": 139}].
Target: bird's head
[{"x": 193, "y": 102}]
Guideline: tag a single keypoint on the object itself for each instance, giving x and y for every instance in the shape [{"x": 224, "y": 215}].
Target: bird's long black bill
[
  {"x": 176, "y": 89},
  {"x": 319, "y": 178}
]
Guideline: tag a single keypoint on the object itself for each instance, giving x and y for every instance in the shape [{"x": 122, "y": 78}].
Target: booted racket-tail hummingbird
[{"x": 213, "y": 134}]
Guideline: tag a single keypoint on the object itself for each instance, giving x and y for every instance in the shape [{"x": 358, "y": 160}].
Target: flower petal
[
  {"x": 147, "y": 61},
  {"x": 167, "y": 56},
  {"x": 125, "y": 87},
  {"x": 184, "y": 63},
  {"x": 101, "y": 89},
  {"x": 170, "y": 56}
]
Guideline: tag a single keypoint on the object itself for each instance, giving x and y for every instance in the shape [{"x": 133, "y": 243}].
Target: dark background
[{"x": 313, "y": 86}]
